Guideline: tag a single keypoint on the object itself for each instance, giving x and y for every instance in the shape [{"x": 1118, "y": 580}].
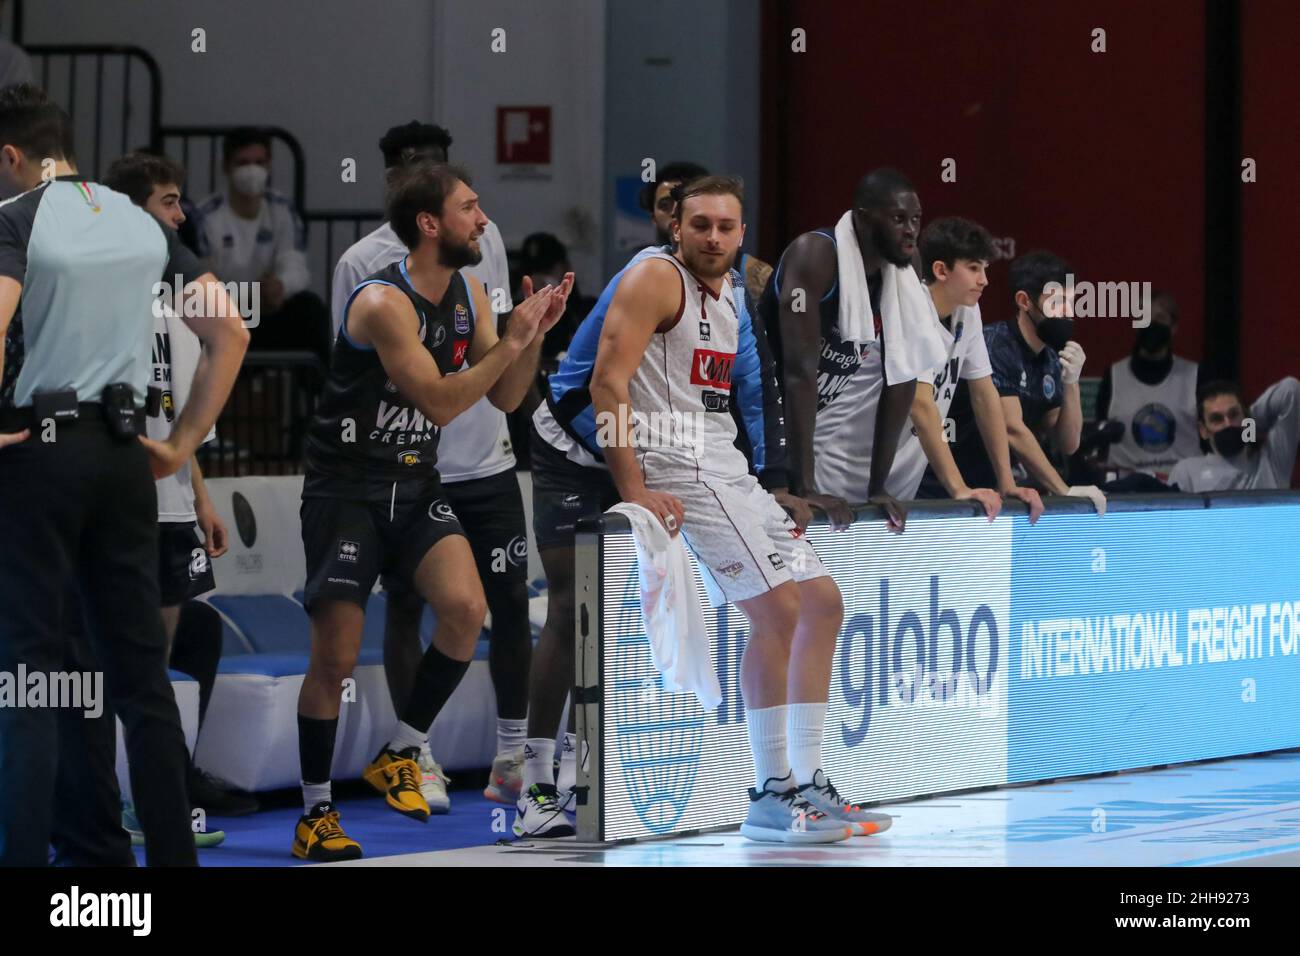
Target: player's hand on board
[
  {"x": 837, "y": 509},
  {"x": 986, "y": 498},
  {"x": 895, "y": 511},
  {"x": 1030, "y": 497}
]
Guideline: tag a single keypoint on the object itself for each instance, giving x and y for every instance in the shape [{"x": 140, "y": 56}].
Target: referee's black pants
[{"x": 85, "y": 505}]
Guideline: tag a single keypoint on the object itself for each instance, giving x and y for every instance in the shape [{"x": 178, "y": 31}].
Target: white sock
[
  {"x": 539, "y": 757},
  {"x": 406, "y": 737},
  {"x": 767, "y": 736},
  {"x": 568, "y": 776},
  {"x": 805, "y": 727},
  {"x": 511, "y": 735},
  {"x": 314, "y": 793}
]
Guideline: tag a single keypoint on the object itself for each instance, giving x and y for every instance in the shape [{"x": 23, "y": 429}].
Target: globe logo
[
  {"x": 1153, "y": 427},
  {"x": 659, "y": 735}
]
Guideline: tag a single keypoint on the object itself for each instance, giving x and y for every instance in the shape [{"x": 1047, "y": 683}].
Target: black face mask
[
  {"x": 1154, "y": 337},
  {"x": 1229, "y": 441},
  {"x": 1054, "y": 332}
]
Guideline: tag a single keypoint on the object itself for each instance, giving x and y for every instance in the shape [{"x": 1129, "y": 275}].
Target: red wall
[
  {"x": 1270, "y": 207},
  {"x": 1096, "y": 156}
]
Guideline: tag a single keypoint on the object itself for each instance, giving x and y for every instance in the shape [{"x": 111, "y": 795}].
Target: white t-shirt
[
  {"x": 843, "y": 454},
  {"x": 243, "y": 250},
  {"x": 1266, "y": 466},
  {"x": 477, "y": 442},
  {"x": 176, "y": 352}
]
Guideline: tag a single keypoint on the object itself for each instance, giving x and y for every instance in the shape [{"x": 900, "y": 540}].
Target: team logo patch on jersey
[
  {"x": 777, "y": 563},
  {"x": 408, "y": 457},
  {"x": 1049, "y": 386},
  {"x": 458, "y": 353},
  {"x": 390, "y": 388},
  {"x": 441, "y": 511},
  {"x": 733, "y": 569},
  {"x": 168, "y": 406},
  {"x": 198, "y": 562},
  {"x": 462, "y": 319},
  {"x": 715, "y": 401},
  {"x": 712, "y": 368},
  {"x": 704, "y": 332},
  {"x": 349, "y": 550},
  {"x": 439, "y": 335}
]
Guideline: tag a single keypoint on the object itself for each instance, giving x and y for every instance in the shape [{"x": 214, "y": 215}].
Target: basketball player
[
  {"x": 800, "y": 309},
  {"x": 657, "y": 199},
  {"x": 371, "y": 496},
  {"x": 477, "y": 468},
  {"x": 955, "y": 254},
  {"x": 668, "y": 346}
]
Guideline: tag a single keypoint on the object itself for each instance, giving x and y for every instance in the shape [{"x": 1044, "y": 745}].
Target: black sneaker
[{"x": 217, "y": 797}]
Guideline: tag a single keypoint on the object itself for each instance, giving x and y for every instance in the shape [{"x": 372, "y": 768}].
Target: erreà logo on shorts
[
  {"x": 77, "y": 909},
  {"x": 349, "y": 550},
  {"x": 712, "y": 368}
]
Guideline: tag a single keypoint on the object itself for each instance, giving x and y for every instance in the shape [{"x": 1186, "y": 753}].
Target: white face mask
[{"x": 249, "y": 179}]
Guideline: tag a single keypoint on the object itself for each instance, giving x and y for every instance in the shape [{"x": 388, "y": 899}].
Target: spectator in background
[
  {"x": 251, "y": 233},
  {"x": 545, "y": 258},
  {"x": 1152, "y": 393},
  {"x": 1245, "y": 453},
  {"x": 1036, "y": 369}
]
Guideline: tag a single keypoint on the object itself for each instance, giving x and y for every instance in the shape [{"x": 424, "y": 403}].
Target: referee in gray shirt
[{"x": 79, "y": 267}]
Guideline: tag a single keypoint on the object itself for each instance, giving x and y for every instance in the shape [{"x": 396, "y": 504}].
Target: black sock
[
  {"x": 197, "y": 649},
  {"x": 316, "y": 747},
  {"x": 437, "y": 677}
]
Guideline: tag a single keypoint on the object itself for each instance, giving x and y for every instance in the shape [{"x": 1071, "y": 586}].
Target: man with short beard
[
  {"x": 1254, "y": 453},
  {"x": 372, "y": 498},
  {"x": 828, "y": 325},
  {"x": 669, "y": 343}
]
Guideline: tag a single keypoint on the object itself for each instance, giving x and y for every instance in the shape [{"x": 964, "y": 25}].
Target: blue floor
[{"x": 264, "y": 838}]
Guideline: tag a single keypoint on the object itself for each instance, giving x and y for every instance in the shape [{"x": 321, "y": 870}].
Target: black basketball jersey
[
  {"x": 837, "y": 360},
  {"x": 365, "y": 434}
]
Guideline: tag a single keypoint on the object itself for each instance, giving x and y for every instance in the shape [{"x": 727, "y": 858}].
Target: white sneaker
[
  {"x": 433, "y": 782},
  {"x": 538, "y": 814},
  {"x": 506, "y": 779}
]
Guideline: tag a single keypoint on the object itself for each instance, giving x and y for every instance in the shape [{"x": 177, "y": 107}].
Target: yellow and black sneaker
[
  {"x": 397, "y": 776},
  {"x": 319, "y": 838}
]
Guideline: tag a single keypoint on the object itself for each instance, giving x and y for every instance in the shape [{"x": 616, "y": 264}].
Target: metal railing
[
  {"x": 86, "y": 80},
  {"x": 262, "y": 428}
]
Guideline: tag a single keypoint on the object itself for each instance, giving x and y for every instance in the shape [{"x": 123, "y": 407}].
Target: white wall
[
  {"x": 335, "y": 73},
  {"x": 554, "y": 55}
]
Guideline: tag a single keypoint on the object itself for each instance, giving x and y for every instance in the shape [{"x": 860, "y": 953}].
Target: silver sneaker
[
  {"x": 823, "y": 795},
  {"x": 433, "y": 782},
  {"x": 787, "y": 818},
  {"x": 506, "y": 778}
]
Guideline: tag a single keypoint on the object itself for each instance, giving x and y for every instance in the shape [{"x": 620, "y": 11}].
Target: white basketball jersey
[
  {"x": 1159, "y": 420},
  {"x": 681, "y": 391}
]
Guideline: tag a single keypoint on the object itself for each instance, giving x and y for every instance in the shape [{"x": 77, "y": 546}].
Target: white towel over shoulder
[
  {"x": 910, "y": 325},
  {"x": 670, "y": 607}
]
